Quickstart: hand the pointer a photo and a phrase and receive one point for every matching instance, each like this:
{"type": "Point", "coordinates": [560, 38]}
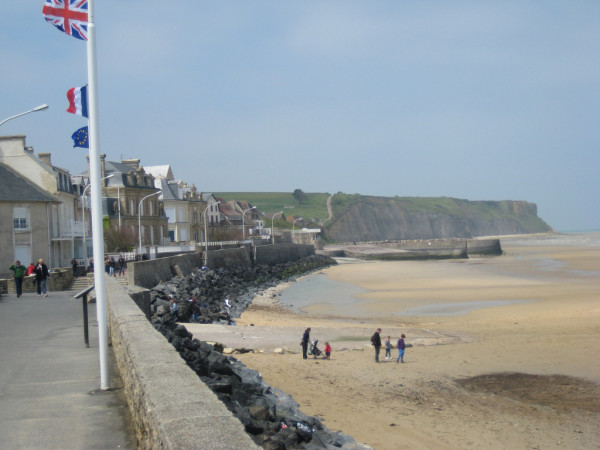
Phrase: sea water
{"type": "Point", "coordinates": [317, 289]}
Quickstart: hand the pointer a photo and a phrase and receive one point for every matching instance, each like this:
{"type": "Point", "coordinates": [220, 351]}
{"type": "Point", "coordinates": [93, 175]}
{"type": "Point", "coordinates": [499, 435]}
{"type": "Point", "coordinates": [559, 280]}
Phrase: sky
{"type": "Point", "coordinates": [495, 100]}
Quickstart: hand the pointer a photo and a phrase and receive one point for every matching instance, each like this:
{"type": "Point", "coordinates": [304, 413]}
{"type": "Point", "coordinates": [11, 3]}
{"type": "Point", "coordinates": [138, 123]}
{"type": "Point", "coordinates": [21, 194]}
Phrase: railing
{"type": "Point", "coordinates": [71, 229]}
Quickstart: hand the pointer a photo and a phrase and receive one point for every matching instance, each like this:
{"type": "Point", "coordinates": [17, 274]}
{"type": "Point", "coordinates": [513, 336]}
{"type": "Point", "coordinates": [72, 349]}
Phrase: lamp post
{"type": "Point", "coordinates": [295, 220]}
{"type": "Point", "coordinates": [140, 218]}
{"type": "Point", "coordinates": [272, 219]}
{"type": "Point", "coordinates": [37, 108]}
{"type": "Point", "coordinates": [85, 258]}
{"type": "Point", "coordinates": [243, 222]}
{"type": "Point", "coordinates": [206, 233]}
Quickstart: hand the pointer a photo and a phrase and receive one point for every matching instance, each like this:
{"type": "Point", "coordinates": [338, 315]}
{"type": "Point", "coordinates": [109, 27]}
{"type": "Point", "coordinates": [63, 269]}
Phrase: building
{"type": "Point", "coordinates": [185, 207]}
{"type": "Point", "coordinates": [25, 210]}
{"type": "Point", "coordinates": [63, 230]}
{"type": "Point", "coordinates": [130, 201]}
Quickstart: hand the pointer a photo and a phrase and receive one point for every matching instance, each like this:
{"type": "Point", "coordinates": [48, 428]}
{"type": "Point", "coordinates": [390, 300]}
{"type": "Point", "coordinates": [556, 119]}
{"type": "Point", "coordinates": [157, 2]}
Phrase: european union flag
{"type": "Point", "coordinates": [80, 138]}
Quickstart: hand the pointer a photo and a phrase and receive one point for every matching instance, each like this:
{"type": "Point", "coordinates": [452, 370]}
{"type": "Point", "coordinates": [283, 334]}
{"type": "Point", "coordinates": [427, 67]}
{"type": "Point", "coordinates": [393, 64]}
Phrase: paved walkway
{"type": "Point", "coordinates": [50, 393]}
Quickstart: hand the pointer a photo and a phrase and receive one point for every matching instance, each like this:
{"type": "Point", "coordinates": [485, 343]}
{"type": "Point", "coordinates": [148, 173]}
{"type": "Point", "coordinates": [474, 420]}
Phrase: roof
{"type": "Point", "coordinates": [160, 171]}
{"type": "Point", "coordinates": [15, 188]}
{"type": "Point", "coordinates": [170, 190]}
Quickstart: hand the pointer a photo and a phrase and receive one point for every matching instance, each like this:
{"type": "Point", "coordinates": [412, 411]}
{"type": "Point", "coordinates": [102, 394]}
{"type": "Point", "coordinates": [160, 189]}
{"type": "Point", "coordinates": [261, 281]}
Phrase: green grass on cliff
{"type": "Point", "coordinates": [315, 206]}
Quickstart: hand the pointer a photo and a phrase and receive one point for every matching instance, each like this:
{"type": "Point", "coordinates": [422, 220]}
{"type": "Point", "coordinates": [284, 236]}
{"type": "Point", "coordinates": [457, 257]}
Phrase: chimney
{"type": "Point", "coordinates": [102, 166]}
{"type": "Point", "coordinates": [133, 163]}
{"type": "Point", "coordinates": [46, 158]}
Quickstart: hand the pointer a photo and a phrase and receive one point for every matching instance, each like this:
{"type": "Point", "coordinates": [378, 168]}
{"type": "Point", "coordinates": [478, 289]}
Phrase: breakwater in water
{"type": "Point", "coordinates": [415, 249]}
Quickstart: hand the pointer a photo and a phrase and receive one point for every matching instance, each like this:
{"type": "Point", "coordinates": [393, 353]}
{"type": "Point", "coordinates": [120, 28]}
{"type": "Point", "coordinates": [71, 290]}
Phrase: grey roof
{"type": "Point", "coordinates": [169, 190]}
{"type": "Point", "coordinates": [15, 188]}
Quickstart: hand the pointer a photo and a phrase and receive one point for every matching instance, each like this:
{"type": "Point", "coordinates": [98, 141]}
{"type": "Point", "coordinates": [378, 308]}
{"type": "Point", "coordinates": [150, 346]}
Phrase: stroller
{"type": "Point", "coordinates": [313, 349]}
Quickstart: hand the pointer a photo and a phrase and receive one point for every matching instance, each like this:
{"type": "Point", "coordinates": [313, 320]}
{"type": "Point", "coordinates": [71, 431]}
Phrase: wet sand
{"type": "Point", "coordinates": [548, 324]}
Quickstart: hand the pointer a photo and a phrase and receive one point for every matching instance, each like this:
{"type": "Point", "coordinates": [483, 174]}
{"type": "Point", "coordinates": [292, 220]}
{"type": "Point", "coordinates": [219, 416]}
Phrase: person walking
{"type": "Point", "coordinates": [376, 342]}
{"type": "Point", "coordinates": [304, 343]}
{"type": "Point", "coordinates": [19, 272]}
{"type": "Point", "coordinates": [111, 266]}
{"type": "Point", "coordinates": [122, 265]}
{"type": "Point", "coordinates": [41, 277]}
{"type": "Point", "coordinates": [74, 263]}
{"type": "Point", "coordinates": [401, 347]}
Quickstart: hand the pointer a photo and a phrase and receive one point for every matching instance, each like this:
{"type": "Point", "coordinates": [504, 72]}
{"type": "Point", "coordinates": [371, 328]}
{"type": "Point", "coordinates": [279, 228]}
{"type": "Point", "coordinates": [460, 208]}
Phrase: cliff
{"type": "Point", "coordinates": [366, 218]}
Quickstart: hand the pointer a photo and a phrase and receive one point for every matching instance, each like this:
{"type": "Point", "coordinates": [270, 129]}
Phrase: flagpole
{"type": "Point", "coordinates": [96, 197]}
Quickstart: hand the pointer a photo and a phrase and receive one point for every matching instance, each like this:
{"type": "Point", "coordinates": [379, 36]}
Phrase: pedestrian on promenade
{"type": "Point", "coordinates": [376, 342]}
{"type": "Point", "coordinates": [388, 347]}
{"type": "Point", "coordinates": [111, 266]}
{"type": "Point", "coordinates": [41, 277]}
{"type": "Point", "coordinates": [74, 263]}
{"type": "Point", "coordinates": [401, 347]}
{"type": "Point", "coordinates": [122, 265]}
{"type": "Point", "coordinates": [19, 274]}
{"type": "Point", "coordinates": [304, 343]}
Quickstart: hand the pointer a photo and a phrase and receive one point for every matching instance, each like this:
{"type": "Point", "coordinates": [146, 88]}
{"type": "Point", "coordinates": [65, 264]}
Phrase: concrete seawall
{"type": "Point", "coordinates": [171, 407]}
{"type": "Point", "coordinates": [148, 274]}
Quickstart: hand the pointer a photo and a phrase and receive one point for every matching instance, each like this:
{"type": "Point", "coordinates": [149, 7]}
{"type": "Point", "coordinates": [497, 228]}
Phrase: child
{"type": "Point", "coordinates": [327, 350]}
{"type": "Point", "coordinates": [401, 347]}
{"type": "Point", "coordinates": [388, 348]}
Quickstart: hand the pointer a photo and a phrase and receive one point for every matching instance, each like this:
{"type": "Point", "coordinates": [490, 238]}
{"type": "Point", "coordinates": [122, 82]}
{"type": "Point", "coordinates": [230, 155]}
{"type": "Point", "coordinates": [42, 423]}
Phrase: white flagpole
{"type": "Point", "coordinates": [96, 196]}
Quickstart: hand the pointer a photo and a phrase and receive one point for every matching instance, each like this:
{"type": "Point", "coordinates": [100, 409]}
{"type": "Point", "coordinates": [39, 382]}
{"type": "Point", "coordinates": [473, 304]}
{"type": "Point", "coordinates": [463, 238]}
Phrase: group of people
{"type": "Point", "coordinates": [40, 272]}
{"type": "Point", "coordinates": [305, 342]}
{"type": "Point", "coordinates": [400, 345]}
{"type": "Point", "coordinates": [111, 266]}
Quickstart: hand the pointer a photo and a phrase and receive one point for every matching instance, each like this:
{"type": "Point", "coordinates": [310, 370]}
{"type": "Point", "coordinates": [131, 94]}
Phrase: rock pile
{"type": "Point", "coordinates": [271, 417]}
{"type": "Point", "coordinates": [240, 284]}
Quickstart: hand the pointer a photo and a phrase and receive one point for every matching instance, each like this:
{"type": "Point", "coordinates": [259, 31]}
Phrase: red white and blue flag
{"type": "Point", "coordinates": [69, 16]}
{"type": "Point", "coordinates": [78, 101]}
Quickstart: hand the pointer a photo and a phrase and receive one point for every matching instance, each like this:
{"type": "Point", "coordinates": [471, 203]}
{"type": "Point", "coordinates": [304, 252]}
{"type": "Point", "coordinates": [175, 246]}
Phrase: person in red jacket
{"type": "Point", "coordinates": [327, 350]}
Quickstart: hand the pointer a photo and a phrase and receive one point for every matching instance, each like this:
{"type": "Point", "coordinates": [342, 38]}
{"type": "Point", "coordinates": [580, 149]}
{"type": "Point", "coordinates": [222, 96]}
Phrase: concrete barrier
{"type": "Point", "coordinates": [170, 406]}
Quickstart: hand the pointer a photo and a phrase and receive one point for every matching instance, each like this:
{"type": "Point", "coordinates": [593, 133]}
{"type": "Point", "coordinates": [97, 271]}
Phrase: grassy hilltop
{"type": "Point", "coordinates": [359, 217]}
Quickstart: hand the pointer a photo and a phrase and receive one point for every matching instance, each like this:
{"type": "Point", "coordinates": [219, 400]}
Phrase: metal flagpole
{"type": "Point", "coordinates": [96, 196]}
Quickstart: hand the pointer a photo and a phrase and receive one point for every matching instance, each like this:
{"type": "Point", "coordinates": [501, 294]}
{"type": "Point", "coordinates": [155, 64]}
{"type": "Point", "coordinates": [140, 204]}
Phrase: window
{"type": "Point", "coordinates": [21, 218]}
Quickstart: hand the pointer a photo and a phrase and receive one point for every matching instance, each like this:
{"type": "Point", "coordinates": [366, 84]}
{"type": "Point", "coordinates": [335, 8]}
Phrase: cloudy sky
{"type": "Point", "coordinates": [496, 100]}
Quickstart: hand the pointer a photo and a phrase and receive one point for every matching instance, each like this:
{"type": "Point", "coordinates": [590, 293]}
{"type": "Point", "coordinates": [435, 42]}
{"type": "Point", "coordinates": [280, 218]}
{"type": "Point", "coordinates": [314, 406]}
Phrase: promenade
{"type": "Point", "coordinates": [50, 393]}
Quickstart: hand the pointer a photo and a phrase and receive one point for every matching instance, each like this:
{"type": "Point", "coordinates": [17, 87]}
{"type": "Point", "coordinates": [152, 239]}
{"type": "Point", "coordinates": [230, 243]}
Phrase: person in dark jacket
{"type": "Point", "coordinates": [41, 277]}
{"type": "Point", "coordinates": [304, 343]}
{"type": "Point", "coordinates": [376, 342]}
{"type": "Point", "coordinates": [19, 273]}
{"type": "Point", "coordinates": [401, 347]}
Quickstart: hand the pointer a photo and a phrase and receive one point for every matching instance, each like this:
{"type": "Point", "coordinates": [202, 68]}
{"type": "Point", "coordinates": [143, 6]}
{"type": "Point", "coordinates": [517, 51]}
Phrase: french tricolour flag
{"type": "Point", "coordinates": [78, 101]}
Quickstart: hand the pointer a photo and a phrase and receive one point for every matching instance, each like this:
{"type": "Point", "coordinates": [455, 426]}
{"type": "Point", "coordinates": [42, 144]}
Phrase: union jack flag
{"type": "Point", "coordinates": [69, 16]}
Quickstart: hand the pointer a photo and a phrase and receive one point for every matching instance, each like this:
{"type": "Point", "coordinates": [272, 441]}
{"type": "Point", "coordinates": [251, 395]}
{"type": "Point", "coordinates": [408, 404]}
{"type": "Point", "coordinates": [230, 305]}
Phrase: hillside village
{"type": "Point", "coordinates": [45, 211]}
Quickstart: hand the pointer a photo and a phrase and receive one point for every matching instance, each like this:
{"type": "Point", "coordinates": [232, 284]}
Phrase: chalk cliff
{"type": "Point", "coordinates": [366, 218]}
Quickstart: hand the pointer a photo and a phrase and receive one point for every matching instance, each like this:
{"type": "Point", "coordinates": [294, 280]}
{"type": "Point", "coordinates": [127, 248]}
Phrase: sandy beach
{"type": "Point", "coordinates": [520, 369]}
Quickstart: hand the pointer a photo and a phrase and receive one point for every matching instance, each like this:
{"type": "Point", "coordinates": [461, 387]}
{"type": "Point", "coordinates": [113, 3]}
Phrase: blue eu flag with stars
{"type": "Point", "coordinates": [80, 138]}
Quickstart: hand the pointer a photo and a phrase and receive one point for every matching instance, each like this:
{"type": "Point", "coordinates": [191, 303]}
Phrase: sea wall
{"type": "Point", "coordinates": [170, 406]}
{"type": "Point", "coordinates": [282, 253]}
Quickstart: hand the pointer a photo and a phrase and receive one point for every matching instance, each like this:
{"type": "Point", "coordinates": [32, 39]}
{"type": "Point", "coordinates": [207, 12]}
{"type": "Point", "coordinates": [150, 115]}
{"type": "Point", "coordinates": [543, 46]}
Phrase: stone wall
{"type": "Point", "coordinates": [150, 273]}
{"type": "Point", "coordinates": [281, 253]}
{"type": "Point", "coordinates": [170, 406]}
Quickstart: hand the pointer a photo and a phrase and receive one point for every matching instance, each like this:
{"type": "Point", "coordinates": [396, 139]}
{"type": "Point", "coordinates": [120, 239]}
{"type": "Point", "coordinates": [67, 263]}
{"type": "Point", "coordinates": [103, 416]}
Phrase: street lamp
{"type": "Point", "coordinates": [243, 223]}
{"type": "Point", "coordinates": [299, 218]}
{"type": "Point", "coordinates": [272, 219]}
{"type": "Point", "coordinates": [206, 233]}
{"type": "Point", "coordinates": [37, 108]}
{"type": "Point", "coordinates": [85, 258]}
{"type": "Point", "coordinates": [140, 218]}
